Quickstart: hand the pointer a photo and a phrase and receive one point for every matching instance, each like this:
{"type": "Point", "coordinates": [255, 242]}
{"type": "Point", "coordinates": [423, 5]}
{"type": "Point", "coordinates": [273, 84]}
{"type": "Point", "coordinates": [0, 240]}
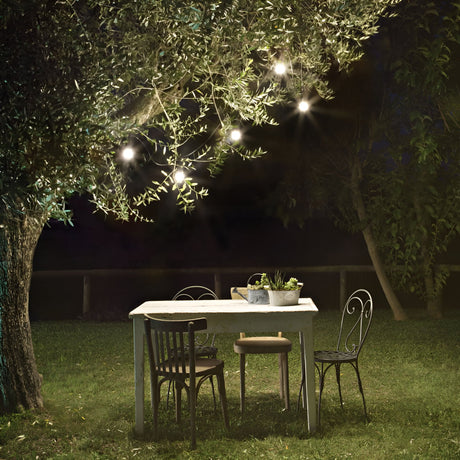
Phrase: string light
{"type": "Point", "coordinates": [280, 68]}
{"type": "Point", "coordinates": [303, 106]}
{"type": "Point", "coordinates": [128, 153]}
{"type": "Point", "coordinates": [179, 176]}
{"type": "Point", "coordinates": [236, 135]}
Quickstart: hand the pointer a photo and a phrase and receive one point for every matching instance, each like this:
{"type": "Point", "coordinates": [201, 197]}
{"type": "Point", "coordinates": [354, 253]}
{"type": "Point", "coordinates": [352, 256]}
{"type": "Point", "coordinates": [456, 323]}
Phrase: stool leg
{"type": "Point", "coordinates": [281, 374]}
{"type": "Point", "coordinates": [242, 381]}
{"type": "Point", "coordinates": [285, 369]}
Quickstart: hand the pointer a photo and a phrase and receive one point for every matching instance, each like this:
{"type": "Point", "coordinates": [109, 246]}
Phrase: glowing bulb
{"type": "Point", "coordinates": [128, 153]}
{"type": "Point", "coordinates": [280, 68]}
{"type": "Point", "coordinates": [179, 176]}
{"type": "Point", "coordinates": [304, 106]}
{"type": "Point", "coordinates": [236, 135]}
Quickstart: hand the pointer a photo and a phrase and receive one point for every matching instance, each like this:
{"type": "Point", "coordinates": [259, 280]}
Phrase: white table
{"type": "Point", "coordinates": [226, 315]}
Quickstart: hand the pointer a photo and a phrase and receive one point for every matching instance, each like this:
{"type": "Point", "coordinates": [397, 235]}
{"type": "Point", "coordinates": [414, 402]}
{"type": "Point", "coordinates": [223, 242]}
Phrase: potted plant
{"type": "Point", "coordinates": [281, 292]}
{"type": "Point", "coordinates": [257, 291]}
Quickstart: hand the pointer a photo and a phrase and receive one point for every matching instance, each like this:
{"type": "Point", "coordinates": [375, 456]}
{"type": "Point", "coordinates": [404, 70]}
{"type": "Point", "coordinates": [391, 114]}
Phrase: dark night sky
{"type": "Point", "coordinates": [226, 229]}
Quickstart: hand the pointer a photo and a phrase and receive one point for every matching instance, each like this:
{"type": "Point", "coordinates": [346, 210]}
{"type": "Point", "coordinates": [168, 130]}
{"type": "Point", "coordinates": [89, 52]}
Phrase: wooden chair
{"type": "Point", "coordinates": [354, 326]}
{"type": "Point", "coordinates": [263, 345]}
{"type": "Point", "coordinates": [169, 361]}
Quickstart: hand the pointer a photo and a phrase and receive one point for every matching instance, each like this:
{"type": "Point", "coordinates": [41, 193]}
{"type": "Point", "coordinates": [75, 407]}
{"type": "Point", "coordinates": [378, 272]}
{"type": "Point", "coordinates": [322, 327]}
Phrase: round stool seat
{"type": "Point", "coordinates": [261, 345]}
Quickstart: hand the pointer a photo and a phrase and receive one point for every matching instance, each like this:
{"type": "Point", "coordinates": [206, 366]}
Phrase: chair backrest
{"type": "Point", "coordinates": [195, 293]}
{"type": "Point", "coordinates": [355, 323]}
{"type": "Point", "coordinates": [171, 344]}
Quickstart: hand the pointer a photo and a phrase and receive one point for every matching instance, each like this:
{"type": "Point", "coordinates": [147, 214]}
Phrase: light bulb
{"type": "Point", "coordinates": [128, 153]}
{"type": "Point", "coordinates": [236, 135]}
{"type": "Point", "coordinates": [304, 106]}
{"type": "Point", "coordinates": [179, 176]}
{"type": "Point", "coordinates": [280, 68]}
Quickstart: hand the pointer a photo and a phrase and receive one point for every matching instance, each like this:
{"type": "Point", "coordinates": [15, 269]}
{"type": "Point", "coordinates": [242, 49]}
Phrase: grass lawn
{"type": "Point", "coordinates": [410, 374]}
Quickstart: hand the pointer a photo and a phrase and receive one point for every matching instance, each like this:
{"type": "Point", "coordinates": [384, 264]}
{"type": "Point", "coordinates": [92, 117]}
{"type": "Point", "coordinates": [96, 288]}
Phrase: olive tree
{"type": "Point", "coordinates": [82, 79]}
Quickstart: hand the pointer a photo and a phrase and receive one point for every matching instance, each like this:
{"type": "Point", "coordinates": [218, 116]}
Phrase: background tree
{"type": "Point", "coordinates": [416, 205]}
{"type": "Point", "coordinates": [390, 167]}
{"type": "Point", "coordinates": [80, 79]}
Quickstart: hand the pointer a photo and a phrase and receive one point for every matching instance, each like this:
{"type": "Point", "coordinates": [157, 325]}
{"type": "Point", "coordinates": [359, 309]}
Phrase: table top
{"type": "Point", "coordinates": [218, 306]}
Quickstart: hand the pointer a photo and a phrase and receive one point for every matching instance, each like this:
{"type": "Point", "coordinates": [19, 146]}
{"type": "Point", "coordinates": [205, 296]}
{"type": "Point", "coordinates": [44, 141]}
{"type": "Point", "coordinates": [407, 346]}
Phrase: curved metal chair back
{"type": "Point", "coordinates": [355, 323]}
{"type": "Point", "coordinates": [195, 293]}
{"type": "Point", "coordinates": [354, 326]}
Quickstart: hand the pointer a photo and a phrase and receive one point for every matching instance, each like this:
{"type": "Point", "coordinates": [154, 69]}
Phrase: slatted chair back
{"type": "Point", "coordinates": [356, 320]}
{"type": "Point", "coordinates": [171, 346]}
{"type": "Point", "coordinates": [172, 357]}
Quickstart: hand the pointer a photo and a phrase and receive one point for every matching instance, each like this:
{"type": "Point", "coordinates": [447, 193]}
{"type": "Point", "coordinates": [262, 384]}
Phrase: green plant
{"type": "Point", "coordinates": [277, 283]}
{"type": "Point", "coordinates": [259, 284]}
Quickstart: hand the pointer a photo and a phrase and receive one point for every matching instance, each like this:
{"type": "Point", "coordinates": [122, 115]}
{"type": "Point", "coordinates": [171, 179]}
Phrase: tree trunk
{"type": "Point", "coordinates": [358, 203]}
{"type": "Point", "coordinates": [432, 292]}
{"type": "Point", "coordinates": [20, 381]}
{"type": "Point", "coordinates": [433, 296]}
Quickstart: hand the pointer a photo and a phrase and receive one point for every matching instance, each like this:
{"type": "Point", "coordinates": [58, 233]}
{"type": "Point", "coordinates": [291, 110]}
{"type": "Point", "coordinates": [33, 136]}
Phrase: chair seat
{"type": "Point", "coordinates": [202, 367]}
{"type": "Point", "coordinates": [329, 356]}
{"type": "Point", "coordinates": [261, 345]}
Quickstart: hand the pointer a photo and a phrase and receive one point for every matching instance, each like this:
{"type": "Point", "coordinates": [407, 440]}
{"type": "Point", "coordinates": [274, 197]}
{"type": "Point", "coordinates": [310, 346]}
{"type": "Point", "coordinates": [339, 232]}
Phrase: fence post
{"type": "Point", "coordinates": [86, 294]}
{"type": "Point", "coordinates": [218, 285]}
{"type": "Point", "coordinates": [343, 289]}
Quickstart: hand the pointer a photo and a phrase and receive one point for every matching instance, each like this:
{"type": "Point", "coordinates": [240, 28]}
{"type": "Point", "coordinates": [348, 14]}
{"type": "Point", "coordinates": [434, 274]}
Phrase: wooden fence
{"type": "Point", "coordinates": [89, 276]}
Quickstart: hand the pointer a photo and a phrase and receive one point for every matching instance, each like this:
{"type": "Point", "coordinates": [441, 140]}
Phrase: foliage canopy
{"type": "Point", "coordinates": [80, 79]}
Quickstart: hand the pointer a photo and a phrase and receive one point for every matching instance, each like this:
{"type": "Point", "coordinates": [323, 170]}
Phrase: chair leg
{"type": "Point", "coordinates": [300, 392]}
{"type": "Point", "coordinates": [213, 392]}
{"type": "Point", "coordinates": [223, 397]}
{"type": "Point", "coordinates": [171, 386]}
{"type": "Point", "coordinates": [155, 395]}
{"type": "Point", "coordinates": [178, 401]}
{"type": "Point", "coordinates": [192, 403]}
{"type": "Point", "coordinates": [322, 374]}
{"type": "Point", "coordinates": [337, 375]}
{"type": "Point", "coordinates": [355, 366]}
{"type": "Point", "coordinates": [284, 368]}
{"type": "Point", "coordinates": [242, 381]}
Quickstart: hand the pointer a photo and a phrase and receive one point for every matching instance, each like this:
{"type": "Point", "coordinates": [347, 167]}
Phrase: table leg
{"type": "Point", "coordinates": [138, 337]}
{"type": "Point", "coordinates": [303, 392]}
{"type": "Point", "coordinates": [309, 368]}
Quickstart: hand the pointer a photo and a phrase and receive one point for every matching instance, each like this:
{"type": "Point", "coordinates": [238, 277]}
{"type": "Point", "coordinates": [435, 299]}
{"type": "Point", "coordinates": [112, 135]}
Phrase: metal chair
{"type": "Point", "coordinates": [354, 326]}
{"type": "Point", "coordinates": [204, 344]}
{"type": "Point", "coordinates": [169, 361]}
{"type": "Point", "coordinates": [263, 345]}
